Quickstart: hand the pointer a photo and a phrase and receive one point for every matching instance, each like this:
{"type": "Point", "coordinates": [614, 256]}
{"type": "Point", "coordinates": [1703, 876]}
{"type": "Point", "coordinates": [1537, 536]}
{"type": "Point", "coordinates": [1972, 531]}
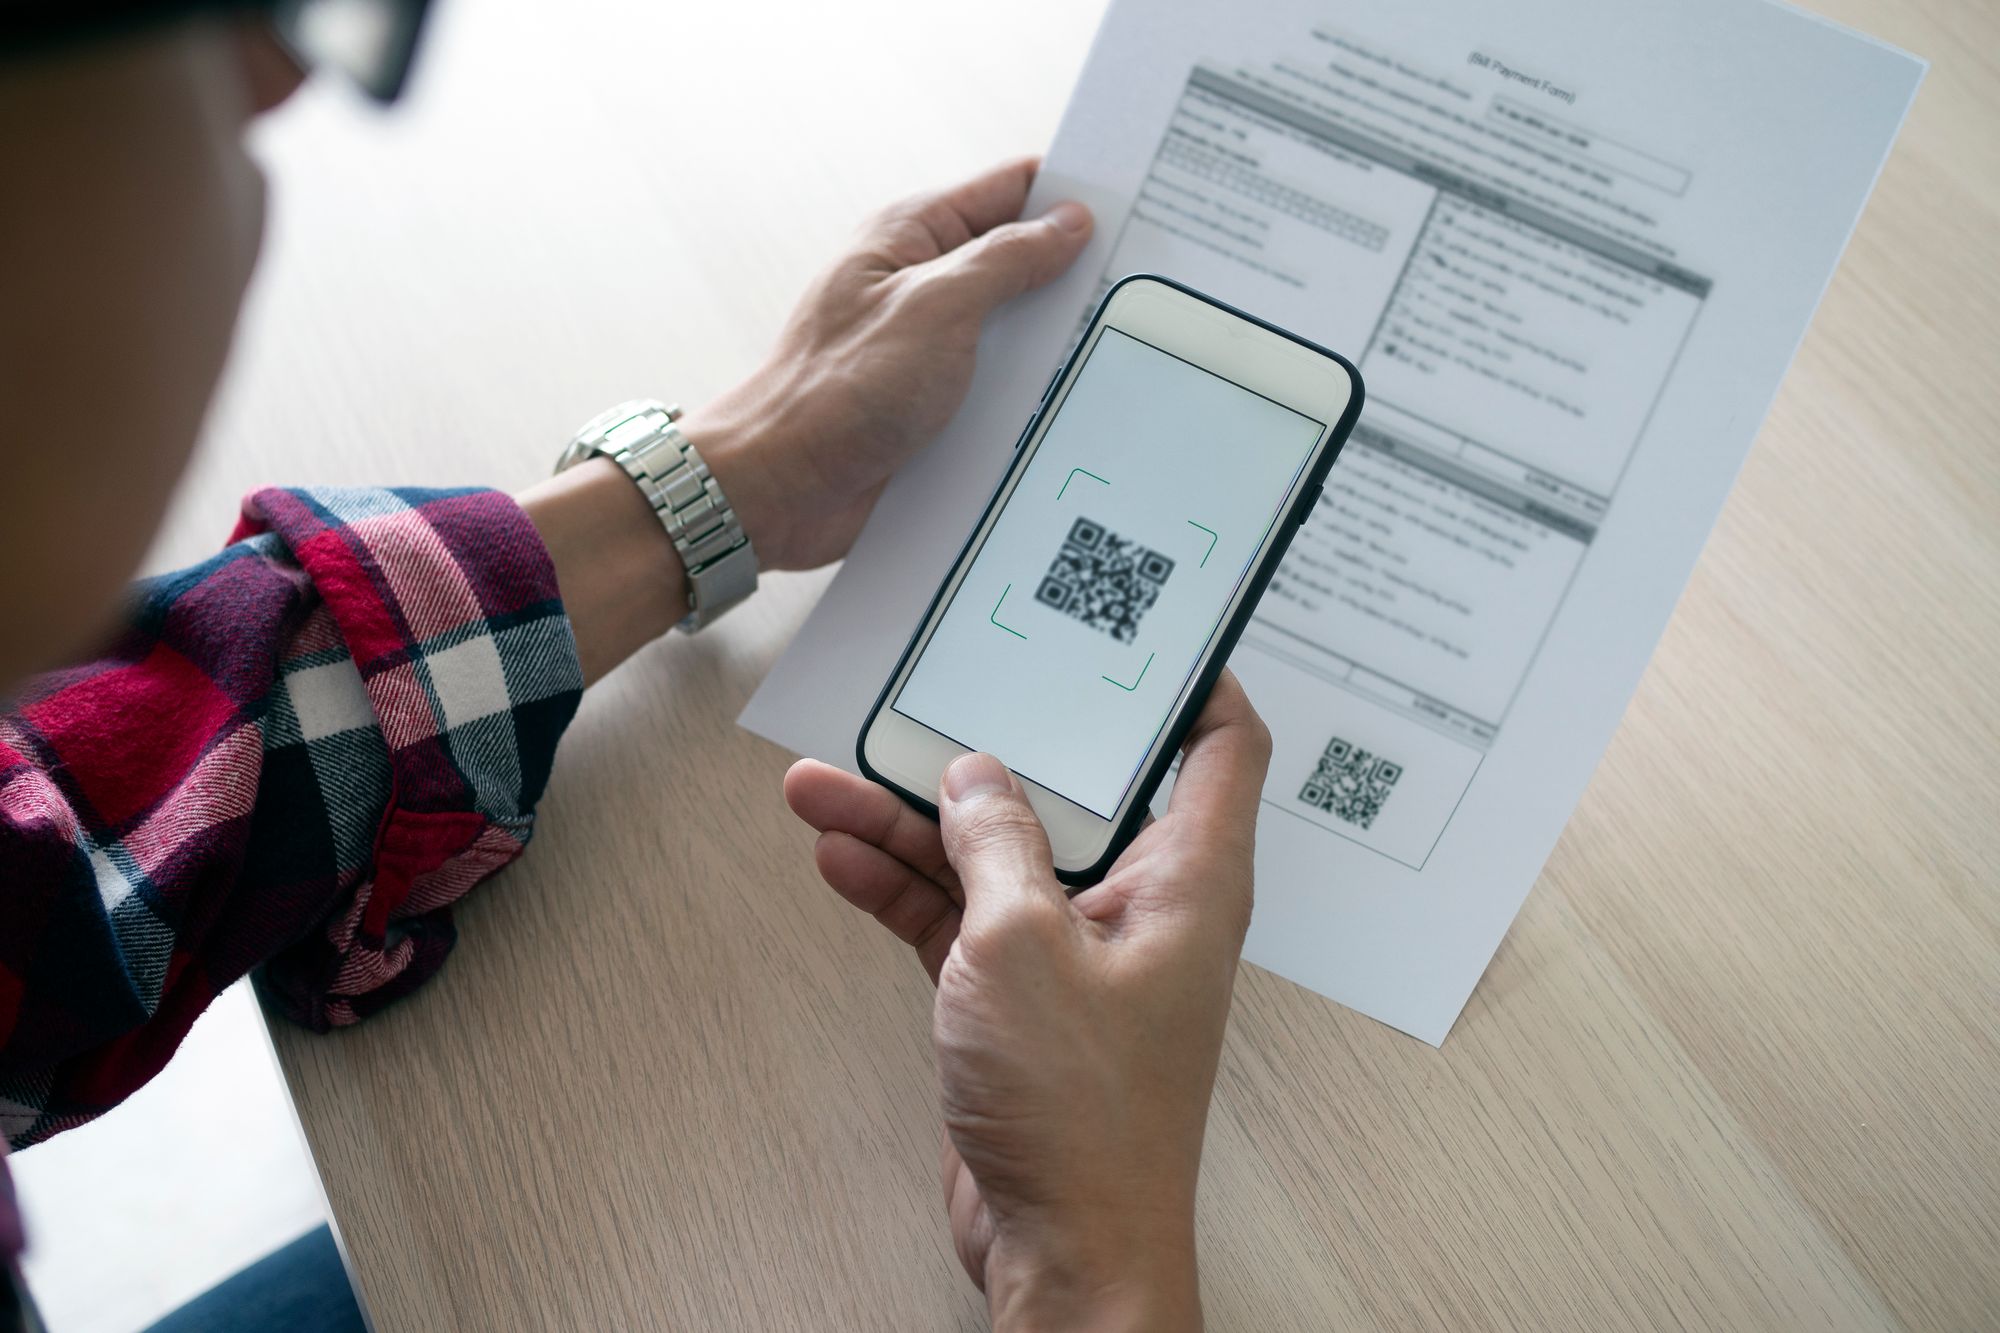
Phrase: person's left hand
{"type": "Point", "coordinates": [875, 360]}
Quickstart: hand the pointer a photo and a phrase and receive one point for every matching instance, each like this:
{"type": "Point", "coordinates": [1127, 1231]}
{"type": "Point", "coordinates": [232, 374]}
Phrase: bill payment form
{"type": "Point", "coordinates": [1572, 246]}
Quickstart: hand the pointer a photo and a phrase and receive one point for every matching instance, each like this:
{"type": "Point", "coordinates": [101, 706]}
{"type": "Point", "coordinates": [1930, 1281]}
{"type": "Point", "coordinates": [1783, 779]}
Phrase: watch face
{"type": "Point", "coordinates": [576, 451]}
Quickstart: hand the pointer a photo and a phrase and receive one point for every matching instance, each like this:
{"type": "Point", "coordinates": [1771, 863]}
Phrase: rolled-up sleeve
{"type": "Point", "coordinates": [297, 757]}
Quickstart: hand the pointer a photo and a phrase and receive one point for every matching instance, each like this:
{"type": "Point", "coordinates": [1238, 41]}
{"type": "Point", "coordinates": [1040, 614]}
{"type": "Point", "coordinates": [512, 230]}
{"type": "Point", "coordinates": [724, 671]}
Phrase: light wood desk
{"type": "Point", "coordinates": [1735, 1068]}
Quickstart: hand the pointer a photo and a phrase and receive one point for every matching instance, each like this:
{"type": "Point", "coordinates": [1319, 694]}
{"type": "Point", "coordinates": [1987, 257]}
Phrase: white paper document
{"type": "Point", "coordinates": [1572, 245]}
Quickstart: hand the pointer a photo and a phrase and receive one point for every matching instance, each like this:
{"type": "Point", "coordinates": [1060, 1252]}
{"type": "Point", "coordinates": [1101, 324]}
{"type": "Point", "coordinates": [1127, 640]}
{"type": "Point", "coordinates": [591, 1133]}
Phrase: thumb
{"type": "Point", "coordinates": [994, 842]}
{"type": "Point", "coordinates": [1016, 257]}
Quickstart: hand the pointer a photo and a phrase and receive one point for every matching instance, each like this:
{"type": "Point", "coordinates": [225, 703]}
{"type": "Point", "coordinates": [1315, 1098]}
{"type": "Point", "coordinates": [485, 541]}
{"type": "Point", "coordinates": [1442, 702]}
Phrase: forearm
{"type": "Point", "coordinates": [621, 580]}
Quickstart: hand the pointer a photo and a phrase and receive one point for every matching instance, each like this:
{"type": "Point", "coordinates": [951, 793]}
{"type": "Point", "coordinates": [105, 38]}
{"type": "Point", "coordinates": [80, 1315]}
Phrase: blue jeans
{"type": "Point", "coordinates": [300, 1288]}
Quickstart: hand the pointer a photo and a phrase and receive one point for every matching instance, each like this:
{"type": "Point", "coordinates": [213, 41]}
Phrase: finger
{"type": "Point", "coordinates": [1013, 258]}
{"type": "Point", "coordinates": [1223, 762]}
{"type": "Point", "coordinates": [927, 225]}
{"type": "Point", "coordinates": [996, 844]}
{"type": "Point", "coordinates": [831, 798]}
{"type": "Point", "coordinates": [1212, 813]}
{"type": "Point", "coordinates": [916, 910]}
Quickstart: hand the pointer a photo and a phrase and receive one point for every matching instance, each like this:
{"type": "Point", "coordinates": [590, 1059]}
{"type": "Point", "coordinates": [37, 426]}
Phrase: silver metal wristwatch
{"type": "Point", "coordinates": [641, 437]}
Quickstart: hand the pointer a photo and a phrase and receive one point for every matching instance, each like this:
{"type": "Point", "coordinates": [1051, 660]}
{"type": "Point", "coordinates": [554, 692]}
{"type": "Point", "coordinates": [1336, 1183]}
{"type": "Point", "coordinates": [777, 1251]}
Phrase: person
{"type": "Point", "coordinates": [296, 756]}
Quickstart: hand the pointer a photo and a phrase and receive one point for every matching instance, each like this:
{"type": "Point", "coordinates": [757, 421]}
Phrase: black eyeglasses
{"type": "Point", "coordinates": [372, 42]}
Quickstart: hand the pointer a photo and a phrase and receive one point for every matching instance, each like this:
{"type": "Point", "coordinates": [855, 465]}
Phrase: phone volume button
{"type": "Point", "coordinates": [1307, 505]}
{"type": "Point", "coordinates": [1026, 431]}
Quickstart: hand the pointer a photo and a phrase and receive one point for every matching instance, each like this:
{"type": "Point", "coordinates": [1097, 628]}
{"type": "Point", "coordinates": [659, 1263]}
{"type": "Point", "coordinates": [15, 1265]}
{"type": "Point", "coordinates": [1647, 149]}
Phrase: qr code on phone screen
{"type": "Point", "coordinates": [1350, 783]}
{"type": "Point", "coordinates": [1104, 580]}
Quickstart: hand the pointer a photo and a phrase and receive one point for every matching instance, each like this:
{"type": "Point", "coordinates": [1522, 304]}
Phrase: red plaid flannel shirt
{"type": "Point", "coordinates": [297, 757]}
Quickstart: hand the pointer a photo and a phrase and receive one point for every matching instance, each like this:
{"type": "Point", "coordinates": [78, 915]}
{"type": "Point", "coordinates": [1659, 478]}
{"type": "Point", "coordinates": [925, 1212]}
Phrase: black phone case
{"type": "Point", "coordinates": [1260, 578]}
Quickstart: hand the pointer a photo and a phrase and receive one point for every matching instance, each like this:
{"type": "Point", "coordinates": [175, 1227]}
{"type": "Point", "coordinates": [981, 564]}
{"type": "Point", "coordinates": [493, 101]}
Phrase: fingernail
{"type": "Point", "coordinates": [976, 775]}
{"type": "Point", "coordinates": [1069, 215]}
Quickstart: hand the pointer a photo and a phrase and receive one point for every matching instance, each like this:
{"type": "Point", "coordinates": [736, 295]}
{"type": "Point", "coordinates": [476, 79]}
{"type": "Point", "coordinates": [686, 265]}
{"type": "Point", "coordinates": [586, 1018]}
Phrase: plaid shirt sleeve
{"type": "Point", "coordinates": [298, 756]}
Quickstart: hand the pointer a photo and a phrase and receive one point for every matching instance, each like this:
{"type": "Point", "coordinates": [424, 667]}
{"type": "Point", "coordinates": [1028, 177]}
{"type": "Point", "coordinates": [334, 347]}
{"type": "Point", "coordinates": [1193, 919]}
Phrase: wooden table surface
{"type": "Point", "coordinates": [1735, 1068]}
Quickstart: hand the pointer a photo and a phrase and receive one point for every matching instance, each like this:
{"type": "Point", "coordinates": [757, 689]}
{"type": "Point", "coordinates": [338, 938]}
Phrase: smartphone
{"type": "Point", "coordinates": [1151, 496]}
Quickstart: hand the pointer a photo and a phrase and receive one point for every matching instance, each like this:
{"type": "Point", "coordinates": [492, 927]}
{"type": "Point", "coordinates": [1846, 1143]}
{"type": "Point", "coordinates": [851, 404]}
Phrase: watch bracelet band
{"type": "Point", "coordinates": [642, 437]}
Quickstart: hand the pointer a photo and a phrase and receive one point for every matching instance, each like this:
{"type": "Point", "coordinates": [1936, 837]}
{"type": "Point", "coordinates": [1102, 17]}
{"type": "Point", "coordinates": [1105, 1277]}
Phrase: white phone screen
{"type": "Point", "coordinates": [1100, 585]}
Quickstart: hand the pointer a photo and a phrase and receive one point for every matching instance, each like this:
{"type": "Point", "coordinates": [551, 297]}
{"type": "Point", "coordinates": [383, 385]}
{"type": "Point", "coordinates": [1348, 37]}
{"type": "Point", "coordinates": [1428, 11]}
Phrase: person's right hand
{"type": "Point", "coordinates": [1077, 1040]}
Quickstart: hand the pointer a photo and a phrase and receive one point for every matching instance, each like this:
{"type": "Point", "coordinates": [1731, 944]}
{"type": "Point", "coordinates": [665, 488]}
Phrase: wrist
{"type": "Point", "coordinates": [621, 580]}
{"type": "Point", "coordinates": [1114, 1282]}
{"type": "Point", "coordinates": [740, 455]}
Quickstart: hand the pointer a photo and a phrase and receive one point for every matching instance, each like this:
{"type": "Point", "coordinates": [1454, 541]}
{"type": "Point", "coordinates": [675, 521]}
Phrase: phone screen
{"type": "Point", "coordinates": [1101, 584]}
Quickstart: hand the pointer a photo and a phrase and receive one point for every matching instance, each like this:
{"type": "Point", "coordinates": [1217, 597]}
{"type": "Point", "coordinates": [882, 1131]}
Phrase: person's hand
{"type": "Point", "coordinates": [1077, 1040]}
{"type": "Point", "coordinates": [875, 360]}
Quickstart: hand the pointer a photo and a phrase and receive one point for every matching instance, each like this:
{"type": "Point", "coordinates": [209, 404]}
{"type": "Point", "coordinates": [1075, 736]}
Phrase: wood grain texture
{"type": "Point", "coordinates": [1734, 1068]}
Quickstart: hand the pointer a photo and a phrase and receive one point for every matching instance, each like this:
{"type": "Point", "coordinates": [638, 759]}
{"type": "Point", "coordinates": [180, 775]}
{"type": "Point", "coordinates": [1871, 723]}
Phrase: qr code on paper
{"type": "Point", "coordinates": [1104, 580]}
{"type": "Point", "coordinates": [1350, 783]}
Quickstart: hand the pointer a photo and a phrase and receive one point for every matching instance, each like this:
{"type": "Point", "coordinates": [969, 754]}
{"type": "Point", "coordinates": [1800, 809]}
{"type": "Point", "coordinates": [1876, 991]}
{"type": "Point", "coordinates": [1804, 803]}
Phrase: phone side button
{"type": "Point", "coordinates": [1307, 505]}
{"type": "Point", "coordinates": [1026, 431]}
